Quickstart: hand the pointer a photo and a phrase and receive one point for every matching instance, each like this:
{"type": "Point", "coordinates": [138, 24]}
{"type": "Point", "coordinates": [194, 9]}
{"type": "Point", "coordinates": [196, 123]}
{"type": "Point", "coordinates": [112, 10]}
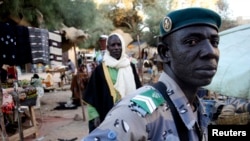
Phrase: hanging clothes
{"type": "Point", "coordinates": [39, 45]}
{"type": "Point", "coordinates": [23, 53]}
{"type": "Point", "coordinates": [55, 40]}
{"type": "Point", "coordinates": [7, 44]}
{"type": "Point", "coordinates": [14, 44]}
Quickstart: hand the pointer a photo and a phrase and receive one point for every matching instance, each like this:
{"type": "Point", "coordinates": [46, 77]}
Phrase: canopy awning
{"type": "Point", "coordinates": [233, 74]}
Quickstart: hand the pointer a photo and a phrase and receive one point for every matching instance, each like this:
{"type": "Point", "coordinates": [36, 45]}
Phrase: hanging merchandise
{"type": "Point", "coordinates": [14, 44]}
{"type": "Point", "coordinates": [23, 53]}
{"type": "Point", "coordinates": [7, 44]}
{"type": "Point", "coordinates": [39, 45]}
{"type": "Point", "coordinates": [55, 49]}
{"type": "Point", "coordinates": [20, 45]}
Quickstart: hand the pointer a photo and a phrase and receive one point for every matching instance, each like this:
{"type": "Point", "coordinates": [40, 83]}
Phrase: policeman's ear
{"type": "Point", "coordinates": [163, 49]}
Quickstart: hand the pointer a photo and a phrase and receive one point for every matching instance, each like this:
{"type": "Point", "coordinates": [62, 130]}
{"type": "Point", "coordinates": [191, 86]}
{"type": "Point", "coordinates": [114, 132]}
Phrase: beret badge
{"type": "Point", "coordinates": [167, 24]}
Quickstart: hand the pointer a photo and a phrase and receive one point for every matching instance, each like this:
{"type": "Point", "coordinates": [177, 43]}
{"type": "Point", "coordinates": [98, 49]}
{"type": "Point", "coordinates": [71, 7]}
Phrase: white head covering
{"type": "Point", "coordinates": [125, 82]}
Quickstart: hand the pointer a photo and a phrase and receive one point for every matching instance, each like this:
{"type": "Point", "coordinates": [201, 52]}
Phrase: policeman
{"type": "Point", "coordinates": [170, 109]}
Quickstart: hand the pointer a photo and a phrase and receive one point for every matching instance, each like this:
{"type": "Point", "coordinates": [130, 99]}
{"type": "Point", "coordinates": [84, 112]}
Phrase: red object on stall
{"type": "Point", "coordinates": [12, 72]}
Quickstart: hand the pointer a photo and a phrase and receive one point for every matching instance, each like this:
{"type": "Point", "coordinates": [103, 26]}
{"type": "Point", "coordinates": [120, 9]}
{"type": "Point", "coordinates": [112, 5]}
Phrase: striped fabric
{"type": "Point", "coordinates": [241, 104]}
{"type": "Point", "coordinates": [39, 45]}
{"type": "Point", "coordinates": [55, 40]}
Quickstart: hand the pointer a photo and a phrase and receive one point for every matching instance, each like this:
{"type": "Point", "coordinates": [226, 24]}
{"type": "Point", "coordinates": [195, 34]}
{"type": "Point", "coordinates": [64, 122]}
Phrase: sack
{"type": "Point", "coordinates": [7, 98]}
{"type": "Point", "coordinates": [8, 103]}
{"type": "Point", "coordinates": [236, 119]}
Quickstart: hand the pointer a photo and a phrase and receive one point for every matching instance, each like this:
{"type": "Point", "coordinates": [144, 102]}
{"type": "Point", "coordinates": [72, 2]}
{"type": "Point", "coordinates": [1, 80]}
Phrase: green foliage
{"type": "Point", "coordinates": [78, 13]}
{"type": "Point", "coordinates": [23, 82]}
{"type": "Point", "coordinates": [9, 8]}
{"type": "Point", "coordinates": [155, 12]}
{"type": "Point", "coordinates": [52, 14]}
{"type": "Point", "coordinates": [83, 14]}
{"type": "Point", "coordinates": [102, 25]}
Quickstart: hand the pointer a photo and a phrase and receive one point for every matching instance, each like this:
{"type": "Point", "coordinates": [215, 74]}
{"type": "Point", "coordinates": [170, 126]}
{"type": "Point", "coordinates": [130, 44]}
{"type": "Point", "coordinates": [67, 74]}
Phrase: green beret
{"type": "Point", "coordinates": [186, 17]}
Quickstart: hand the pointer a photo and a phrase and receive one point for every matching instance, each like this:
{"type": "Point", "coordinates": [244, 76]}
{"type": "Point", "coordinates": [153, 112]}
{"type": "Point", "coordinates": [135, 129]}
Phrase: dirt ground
{"type": "Point", "coordinates": [54, 125]}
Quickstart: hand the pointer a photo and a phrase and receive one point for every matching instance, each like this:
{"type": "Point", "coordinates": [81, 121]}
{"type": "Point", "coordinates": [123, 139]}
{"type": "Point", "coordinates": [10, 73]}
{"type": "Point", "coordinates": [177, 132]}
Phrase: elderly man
{"type": "Point", "coordinates": [111, 80]}
{"type": "Point", "coordinates": [170, 109]}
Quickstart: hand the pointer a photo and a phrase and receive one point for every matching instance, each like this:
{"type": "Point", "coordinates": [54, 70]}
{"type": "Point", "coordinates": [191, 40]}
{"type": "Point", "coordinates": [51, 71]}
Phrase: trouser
{"type": "Point", "coordinates": [69, 75]}
{"type": "Point", "coordinates": [91, 125]}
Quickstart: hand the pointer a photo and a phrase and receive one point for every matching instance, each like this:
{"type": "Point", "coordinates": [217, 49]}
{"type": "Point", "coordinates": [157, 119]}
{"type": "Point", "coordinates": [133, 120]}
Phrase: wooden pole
{"type": "Point", "coordinates": [82, 105]}
{"type": "Point", "coordinates": [19, 119]}
{"type": "Point", "coordinates": [75, 54]}
{"type": "Point", "coordinates": [79, 83]}
{"type": "Point", "coordinates": [140, 60]}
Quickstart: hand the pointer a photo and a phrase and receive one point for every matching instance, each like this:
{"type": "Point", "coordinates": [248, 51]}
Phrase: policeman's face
{"type": "Point", "coordinates": [114, 47]}
{"type": "Point", "coordinates": [194, 54]}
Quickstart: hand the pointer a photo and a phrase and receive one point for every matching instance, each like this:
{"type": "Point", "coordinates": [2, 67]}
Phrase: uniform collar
{"type": "Point", "coordinates": [180, 101]}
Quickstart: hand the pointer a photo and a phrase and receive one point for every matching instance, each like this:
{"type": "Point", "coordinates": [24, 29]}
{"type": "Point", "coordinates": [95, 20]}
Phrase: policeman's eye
{"type": "Point", "coordinates": [215, 42]}
{"type": "Point", "coordinates": [191, 42]}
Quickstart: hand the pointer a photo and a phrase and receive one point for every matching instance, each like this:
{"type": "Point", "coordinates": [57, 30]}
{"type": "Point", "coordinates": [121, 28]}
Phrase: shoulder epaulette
{"type": "Point", "coordinates": [147, 101]}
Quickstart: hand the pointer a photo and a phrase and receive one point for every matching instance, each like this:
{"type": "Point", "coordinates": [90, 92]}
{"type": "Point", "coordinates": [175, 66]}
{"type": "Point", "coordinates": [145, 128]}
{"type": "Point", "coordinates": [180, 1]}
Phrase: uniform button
{"type": "Point", "coordinates": [112, 135]}
{"type": "Point", "coordinates": [183, 111]}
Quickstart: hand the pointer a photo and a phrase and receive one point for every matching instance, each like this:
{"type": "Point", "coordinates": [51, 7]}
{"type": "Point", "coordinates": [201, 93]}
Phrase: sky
{"type": "Point", "coordinates": [239, 8]}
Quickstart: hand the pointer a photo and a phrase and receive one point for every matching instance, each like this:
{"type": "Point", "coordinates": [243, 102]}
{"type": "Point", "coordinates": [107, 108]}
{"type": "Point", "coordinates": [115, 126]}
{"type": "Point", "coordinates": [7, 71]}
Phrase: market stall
{"type": "Point", "coordinates": [20, 45]}
{"type": "Point", "coordinates": [18, 102]}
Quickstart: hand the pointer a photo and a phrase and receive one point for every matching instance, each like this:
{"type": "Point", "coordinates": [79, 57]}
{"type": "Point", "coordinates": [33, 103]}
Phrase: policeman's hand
{"type": "Point", "coordinates": [97, 121]}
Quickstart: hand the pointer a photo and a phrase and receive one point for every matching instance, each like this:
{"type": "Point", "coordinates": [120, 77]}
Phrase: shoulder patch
{"type": "Point", "coordinates": [148, 100]}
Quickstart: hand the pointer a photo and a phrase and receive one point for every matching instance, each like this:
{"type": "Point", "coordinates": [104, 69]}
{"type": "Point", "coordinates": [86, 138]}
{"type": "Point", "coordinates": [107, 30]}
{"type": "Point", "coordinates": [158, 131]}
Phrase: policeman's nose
{"type": "Point", "coordinates": [208, 50]}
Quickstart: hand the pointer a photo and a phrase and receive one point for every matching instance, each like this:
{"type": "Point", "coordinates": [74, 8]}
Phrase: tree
{"type": "Point", "coordinates": [155, 12]}
{"type": "Point", "coordinates": [125, 18]}
{"type": "Point", "coordinates": [141, 15]}
{"type": "Point", "coordinates": [81, 14]}
{"type": "Point", "coordinates": [225, 13]}
{"type": "Point", "coordinates": [101, 26]}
